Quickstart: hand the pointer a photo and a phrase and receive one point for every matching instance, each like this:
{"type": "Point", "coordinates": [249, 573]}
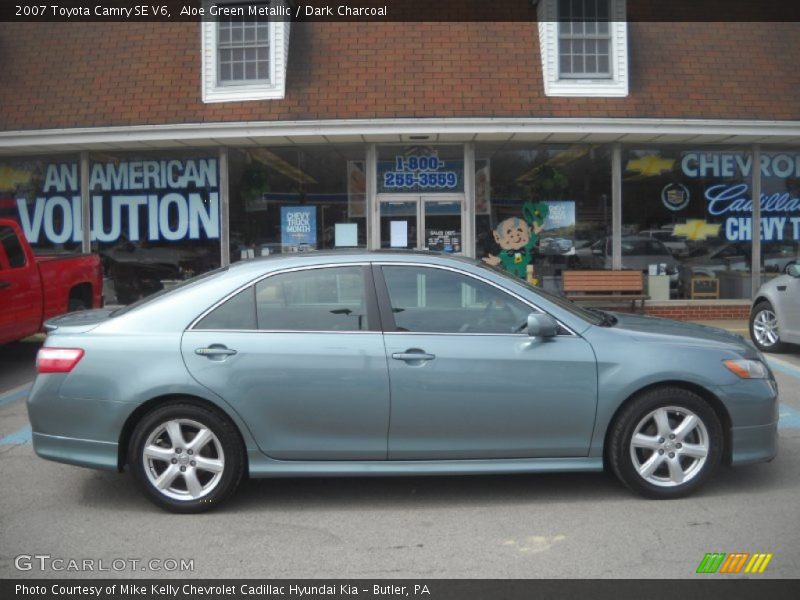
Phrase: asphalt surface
{"type": "Point", "coordinates": [523, 526]}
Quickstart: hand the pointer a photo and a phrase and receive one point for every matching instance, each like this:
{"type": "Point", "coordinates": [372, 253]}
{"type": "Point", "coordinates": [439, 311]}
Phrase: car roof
{"type": "Point", "coordinates": [280, 261]}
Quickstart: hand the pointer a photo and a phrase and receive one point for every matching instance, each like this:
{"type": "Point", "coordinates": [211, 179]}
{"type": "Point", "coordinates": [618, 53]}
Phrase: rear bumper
{"type": "Point", "coordinates": [73, 451]}
{"type": "Point", "coordinates": [754, 444]}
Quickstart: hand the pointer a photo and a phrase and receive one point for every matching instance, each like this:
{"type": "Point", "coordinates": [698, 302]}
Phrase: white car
{"type": "Point", "coordinates": [775, 316]}
{"type": "Point", "coordinates": [677, 246]}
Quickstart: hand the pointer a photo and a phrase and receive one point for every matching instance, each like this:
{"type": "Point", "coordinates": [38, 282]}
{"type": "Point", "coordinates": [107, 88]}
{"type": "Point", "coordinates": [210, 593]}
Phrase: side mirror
{"type": "Point", "coordinates": [793, 270]}
{"type": "Point", "coordinates": [540, 325]}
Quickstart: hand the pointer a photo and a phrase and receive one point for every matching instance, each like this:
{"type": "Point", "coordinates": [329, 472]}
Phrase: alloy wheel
{"type": "Point", "coordinates": [669, 446]}
{"type": "Point", "coordinates": [765, 327]}
{"type": "Point", "coordinates": [183, 459]}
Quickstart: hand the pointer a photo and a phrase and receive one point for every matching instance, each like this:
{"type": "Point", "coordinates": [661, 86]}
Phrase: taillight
{"type": "Point", "coordinates": [57, 360]}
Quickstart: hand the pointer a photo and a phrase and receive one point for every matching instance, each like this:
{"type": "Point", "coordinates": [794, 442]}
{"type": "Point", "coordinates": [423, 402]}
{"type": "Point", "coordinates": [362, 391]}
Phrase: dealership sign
{"type": "Point", "coordinates": [780, 211]}
{"type": "Point", "coordinates": [145, 199]}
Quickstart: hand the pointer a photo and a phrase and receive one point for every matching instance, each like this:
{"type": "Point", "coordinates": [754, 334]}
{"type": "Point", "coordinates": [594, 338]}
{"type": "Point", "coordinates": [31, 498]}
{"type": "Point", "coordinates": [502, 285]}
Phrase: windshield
{"type": "Point", "coordinates": [164, 292]}
{"type": "Point", "coordinates": [593, 317]}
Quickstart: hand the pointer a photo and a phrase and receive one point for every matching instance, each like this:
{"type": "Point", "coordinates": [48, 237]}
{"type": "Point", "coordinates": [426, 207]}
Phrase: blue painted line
{"type": "Point", "coordinates": [21, 436]}
{"type": "Point", "coordinates": [8, 398]}
{"type": "Point", "coordinates": [788, 417]}
{"type": "Point", "coordinates": [784, 368]}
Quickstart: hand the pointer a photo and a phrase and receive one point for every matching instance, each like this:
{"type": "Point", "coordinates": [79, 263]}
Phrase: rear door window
{"type": "Point", "coordinates": [321, 299]}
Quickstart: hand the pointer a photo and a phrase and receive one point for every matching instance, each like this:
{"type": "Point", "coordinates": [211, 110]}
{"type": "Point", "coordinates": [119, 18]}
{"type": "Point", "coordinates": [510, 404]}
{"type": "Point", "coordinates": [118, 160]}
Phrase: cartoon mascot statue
{"type": "Point", "coordinates": [518, 237]}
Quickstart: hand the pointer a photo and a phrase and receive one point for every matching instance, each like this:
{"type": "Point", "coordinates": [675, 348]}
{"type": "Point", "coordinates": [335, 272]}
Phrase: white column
{"type": "Point", "coordinates": [224, 210]}
{"type": "Point", "coordinates": [468, 209]}
{"type": "Point", "coordinates": [756, 221]}
{"type": "Point", "coordinates": [373, 214]}
{"type": "Point", "coordinates": [86, 212]}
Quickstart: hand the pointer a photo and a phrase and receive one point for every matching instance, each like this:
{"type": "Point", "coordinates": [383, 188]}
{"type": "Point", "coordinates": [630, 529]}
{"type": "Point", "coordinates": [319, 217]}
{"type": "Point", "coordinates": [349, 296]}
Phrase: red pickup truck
{"type": "Point", "coordinates": [36, 288]}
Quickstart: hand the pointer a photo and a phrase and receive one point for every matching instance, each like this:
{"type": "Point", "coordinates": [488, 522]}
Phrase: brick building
{"type": "Point", "coordinates": [172, 148]}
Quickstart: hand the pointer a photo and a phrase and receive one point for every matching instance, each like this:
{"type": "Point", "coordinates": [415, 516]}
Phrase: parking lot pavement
{"type": "Point", "coordinates": [564, 525]}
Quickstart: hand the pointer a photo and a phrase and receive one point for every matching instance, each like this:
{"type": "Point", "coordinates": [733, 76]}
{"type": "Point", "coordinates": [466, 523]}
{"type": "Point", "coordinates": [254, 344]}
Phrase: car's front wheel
{"type": "Point", "coordinates": [764, 328]}
{"type": "Point", "coordinates": [187, 457]}
{"type": "Point", "coordinates": [665, 443]}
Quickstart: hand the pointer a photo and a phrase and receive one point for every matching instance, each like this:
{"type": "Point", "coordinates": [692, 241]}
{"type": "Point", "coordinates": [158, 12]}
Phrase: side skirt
{"type": "Point", "coordinates": [263, 466]}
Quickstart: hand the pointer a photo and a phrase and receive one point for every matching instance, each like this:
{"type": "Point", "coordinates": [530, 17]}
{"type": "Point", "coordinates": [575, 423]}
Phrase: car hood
{"type": "Point", "coordinates": [680, 332]}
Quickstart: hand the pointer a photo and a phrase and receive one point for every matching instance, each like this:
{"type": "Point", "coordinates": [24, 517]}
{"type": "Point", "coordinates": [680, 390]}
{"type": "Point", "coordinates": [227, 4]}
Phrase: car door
{"type": "Point", "coordinates": [787, 295]}
{"type": "Point", "coordinates": [20, 291]}
{"type": "Point", "coordinates": [467, 382]}
{"type": "Point", "coordinates": [300, 356]}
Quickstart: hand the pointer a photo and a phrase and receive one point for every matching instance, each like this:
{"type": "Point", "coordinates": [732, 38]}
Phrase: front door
{"type": "Point", "coordinates": [468, 383]}
{"type": "Point", "coordinates": [20, 289]}
{"type": "Point", "coordinates": [422, 222]}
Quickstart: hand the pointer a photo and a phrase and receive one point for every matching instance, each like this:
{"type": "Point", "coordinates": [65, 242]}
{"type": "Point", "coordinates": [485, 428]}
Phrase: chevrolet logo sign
{"type": "Point", "coordinates": [650, 165]}
{"type": "Point", "coordinates": [696, 229]}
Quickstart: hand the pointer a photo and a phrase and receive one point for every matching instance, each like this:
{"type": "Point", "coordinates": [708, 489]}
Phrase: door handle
{"type": "Point", "coordinates": [215, 350]}
{"type": "Point", "coordinates": [413, 355]}
{"type": "Point", "coordinates": [5, 284]}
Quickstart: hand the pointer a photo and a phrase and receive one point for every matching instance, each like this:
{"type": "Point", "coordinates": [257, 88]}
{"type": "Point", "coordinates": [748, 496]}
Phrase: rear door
{"type": "Point", "coordinates": [20, 289]}
{"type": "Point", "coordinates": [300, 356]}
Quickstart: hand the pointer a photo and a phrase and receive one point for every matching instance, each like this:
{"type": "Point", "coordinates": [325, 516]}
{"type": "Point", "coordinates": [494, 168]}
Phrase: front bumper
{"type": "Point", "coordinates": [754, 444]}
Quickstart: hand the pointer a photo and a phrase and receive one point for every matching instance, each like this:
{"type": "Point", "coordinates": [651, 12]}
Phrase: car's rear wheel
{"type": "Point", "coordinates": [187, 458]}
{"type": "Point", "coordinates": [764, 328]}
{"type": "Point", "coordinates": [666, 443]}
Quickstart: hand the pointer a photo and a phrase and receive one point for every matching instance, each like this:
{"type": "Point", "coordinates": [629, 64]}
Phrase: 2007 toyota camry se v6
{"type": "Point", "coordinates": [391, 364]}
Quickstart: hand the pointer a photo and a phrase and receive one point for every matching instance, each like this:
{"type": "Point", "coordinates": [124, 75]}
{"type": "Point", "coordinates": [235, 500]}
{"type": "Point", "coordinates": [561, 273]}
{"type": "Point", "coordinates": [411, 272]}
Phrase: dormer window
{"type": "Point", "coordinates": [244, 52]}
{"type": "Point", "coordinates": [584, 47]}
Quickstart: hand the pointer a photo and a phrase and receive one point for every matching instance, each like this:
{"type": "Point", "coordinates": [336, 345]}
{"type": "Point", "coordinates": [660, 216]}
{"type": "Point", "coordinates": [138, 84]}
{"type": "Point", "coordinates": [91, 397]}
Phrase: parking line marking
{"type": "Point", "coordinates": [788, 416]}
{"type": "Point", "coordinates": [784, 367]}
{"type": "Point", "coordinates": [20, 436]}
{"type": "Point", "coordinates": [15, 394]}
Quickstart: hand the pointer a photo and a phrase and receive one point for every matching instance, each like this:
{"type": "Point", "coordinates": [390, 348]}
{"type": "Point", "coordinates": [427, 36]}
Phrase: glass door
{"type": "Point", "coordinates": [422, 222]}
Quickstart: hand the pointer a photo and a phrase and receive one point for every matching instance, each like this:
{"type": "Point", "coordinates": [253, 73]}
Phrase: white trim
{"type": "Point", "coordinates": [275, 89]}
{"type": "Point", "coordinates": [616, 86]}
{"type": "Point", "coordinates": [219, 134]}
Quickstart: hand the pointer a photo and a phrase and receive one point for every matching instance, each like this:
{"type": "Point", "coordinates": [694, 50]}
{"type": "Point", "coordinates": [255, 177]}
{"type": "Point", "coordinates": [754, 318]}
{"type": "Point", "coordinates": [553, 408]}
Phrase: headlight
{"type": "Point", "coordinates": [747, 369]}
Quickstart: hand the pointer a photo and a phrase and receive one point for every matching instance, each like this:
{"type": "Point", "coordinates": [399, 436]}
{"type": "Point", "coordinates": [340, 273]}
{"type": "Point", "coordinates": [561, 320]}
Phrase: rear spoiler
{"type": "Point", "coordinates": [78, 322]}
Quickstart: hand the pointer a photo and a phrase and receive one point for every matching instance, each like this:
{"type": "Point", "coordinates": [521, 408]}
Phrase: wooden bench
{"type": "Point", "coordinates": [593, 286]}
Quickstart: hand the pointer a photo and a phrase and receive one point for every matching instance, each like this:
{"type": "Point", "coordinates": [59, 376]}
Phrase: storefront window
{"type": "Point", "coordinates": [42, 194]}
{"type": "Point", "coordinates": [297, 199]}
{"type": "Point", "coordinates": [542, 209]}
{"type": "Point", "coordinates": [780, 211]}
{"type": "Point", "coordinates": [695, 205]}
{"type": "Point", "coordinates": [155, 219]}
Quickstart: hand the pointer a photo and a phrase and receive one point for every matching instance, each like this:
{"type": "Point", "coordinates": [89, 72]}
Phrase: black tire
{"type": "Point", "coordinates": [760, 311]}
{"type": "Point", "coordinates": [634, 419]}
{"type": "Point", "coordinates": [224, 451]}
{"type": "Point", "coordinates": [76, 304]}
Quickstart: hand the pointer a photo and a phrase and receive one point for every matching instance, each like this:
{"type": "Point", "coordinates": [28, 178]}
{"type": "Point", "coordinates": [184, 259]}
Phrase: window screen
{"type": "Point", "coordinates": [584, 39]}
{"type": "Point", "coordinates": [243, 49]}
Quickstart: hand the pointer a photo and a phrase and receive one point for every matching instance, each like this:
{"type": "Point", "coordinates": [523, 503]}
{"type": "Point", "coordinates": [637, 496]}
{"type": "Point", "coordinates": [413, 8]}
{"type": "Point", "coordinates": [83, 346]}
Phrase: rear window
{"type": "Point", "coordinates": [12, 247]}
{"type": "Point", "coordinates": [157, 295]}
